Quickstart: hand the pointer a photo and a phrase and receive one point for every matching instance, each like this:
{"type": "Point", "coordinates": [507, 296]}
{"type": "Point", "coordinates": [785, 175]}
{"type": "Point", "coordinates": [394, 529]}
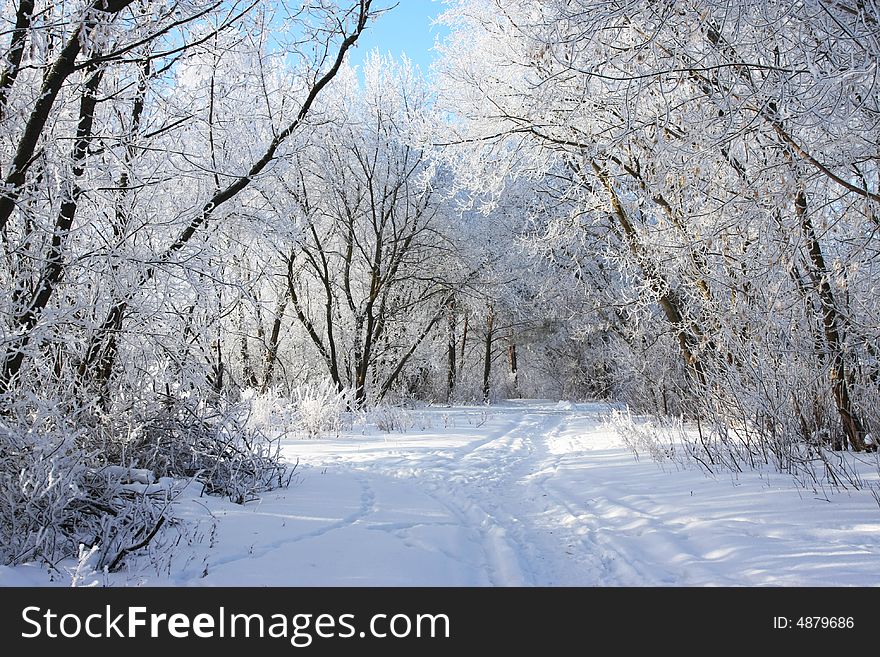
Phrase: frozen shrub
{"type": "Point", "coordinates": [219, 448]}
{"type": "Point", "coordinates": [106, 481]}
{"type": "Point", "coordinates": [657, 440]}
{"type": "Point", "coordinates": [320, 408]}
{"type": "Point", "coordinates": [270, 413]}
{"type": "Point", "coordinates": [394, 419]}
{"type": "Point", "coordinates": [391, 419]}
{"type": "Point", "coordinates": [56, 494]}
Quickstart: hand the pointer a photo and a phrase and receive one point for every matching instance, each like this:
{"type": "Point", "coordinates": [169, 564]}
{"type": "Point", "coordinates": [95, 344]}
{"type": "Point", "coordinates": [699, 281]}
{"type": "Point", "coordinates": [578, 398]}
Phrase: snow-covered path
{"type": "Point", "coordinates": [530, 493]}
{"type": "Point", "coordinates": [525, 493]}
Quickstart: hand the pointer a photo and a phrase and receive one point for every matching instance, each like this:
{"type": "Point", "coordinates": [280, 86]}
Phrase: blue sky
{"type": "Point", "coordinates": [404, 29]}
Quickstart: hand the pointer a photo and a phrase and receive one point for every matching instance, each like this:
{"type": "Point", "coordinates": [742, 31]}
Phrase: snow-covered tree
{"type": "Point", "coordinates": [722, 161]}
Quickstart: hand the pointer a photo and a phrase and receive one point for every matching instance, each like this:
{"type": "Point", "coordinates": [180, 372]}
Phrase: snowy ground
{"type": "Point", "coordinates": [524, 493]}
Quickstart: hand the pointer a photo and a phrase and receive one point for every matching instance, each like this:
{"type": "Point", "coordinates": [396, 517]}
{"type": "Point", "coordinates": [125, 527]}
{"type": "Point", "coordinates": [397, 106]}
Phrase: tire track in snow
{"type": "Point", "coordinates": [449, 480]}
{"type": "Point", "coordinates": [554, 541]}
{"type": "Point", "coordinates": [609, 525]}
{"type": "Point", "coordinates": [481, 484]}
{"type": "Point", "coordinates": [544, 495]}
{"type": "Point", "coordinates": [473, 486]}
{"type": "Point", "coordinates": [502, 490]}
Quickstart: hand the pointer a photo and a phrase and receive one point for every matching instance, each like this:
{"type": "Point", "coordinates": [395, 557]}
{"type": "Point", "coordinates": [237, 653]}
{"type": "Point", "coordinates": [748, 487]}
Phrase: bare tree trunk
{"type": "Point", "coordinates": [362, 366]}
{"type": "Point", "coordinates": [831, 322]}
{"type": "Point", "coordinates": [487, 354]}
{"type": "Point", "coordinates": [218, 368]}
{"type": "Point", "coordinates": [272, 346]}
{"type": "Point", "coordinates": [100, 357]}
{"type": "Point", "coordinates": [371, 331]}
{"type": "Point", "coordinates": [329, 357]}
{"type": "Point", "coordinates": [248, 375]}
{"type": "Point", "coordinates": [464, 337]}
{"type": "Point", "coordinates": [511, 362]}
{"type": "Point", "coordinates": [451, 344]}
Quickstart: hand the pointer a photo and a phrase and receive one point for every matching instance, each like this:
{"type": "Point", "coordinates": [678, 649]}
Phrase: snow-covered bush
{"type": "Point", "coordinates": [320, 407]}
{"type": "Point", "coordinates": [270, 412]}
{"type": "Point", "coordinates": [391, 419]}
{"type": "Point", "coordinates": [217, 447]}
{"type": "Point", "coordinates": [56, 493]}
{"type": "Point", "coordinates": [107, 480]}
{"type": "Point", "coordinates": [40, 475]}
{"type": "Point", "coordinates": [239, 464]}
{"type": "Point", "coordinates": [657, 439]}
